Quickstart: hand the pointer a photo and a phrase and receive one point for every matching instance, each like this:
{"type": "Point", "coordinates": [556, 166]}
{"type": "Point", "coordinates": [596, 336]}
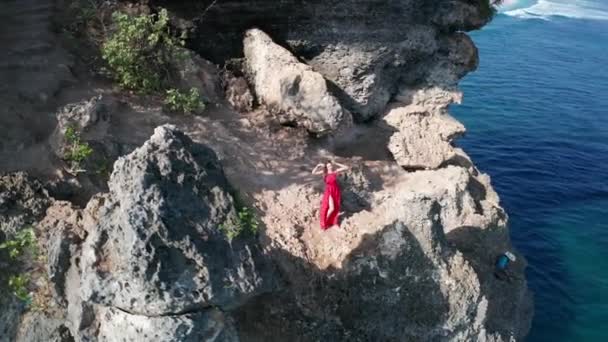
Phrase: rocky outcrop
{"type": "Point", "coordinates": [196, 72]}
{"type": "Point", "coordinates": [23, 202]}
{"type": "Point", "coordinates": [154, 255]}
{"type": "Point", "coordinates": [237, 92]}
{"type": "Point", "coordinates": [156, 247]}
{"type": "Point", "coordinates": [103, 123]}
{"type": "Point", "coordinates": [413, 257]}
{"type": "Point", "coordinates": [367, 48]}
{"type": "Point", "coordinates": [423, 130]}
{"type": "Point", "coordinates": [423, 140]}
{"type": "Point", "coordinates": [290, 88]}
{"type": "Point", "coordinates": [155, 260]}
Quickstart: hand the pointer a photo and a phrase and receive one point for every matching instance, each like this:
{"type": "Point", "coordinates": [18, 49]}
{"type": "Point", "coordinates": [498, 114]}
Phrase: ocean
{"type": "Point", "coordinates": [536, 112]}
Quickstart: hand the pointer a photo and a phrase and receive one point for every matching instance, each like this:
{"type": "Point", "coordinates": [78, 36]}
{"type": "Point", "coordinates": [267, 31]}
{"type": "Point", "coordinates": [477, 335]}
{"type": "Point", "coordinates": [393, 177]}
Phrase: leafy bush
{"type": "Point", "coordinates": [247, 223]}
{"type": "Point", "coordinates": [23, 241]}
{"type": "Point", "coordinates": [77, 151]}
{"type": "Point", "coordinates": [19, 286]}
{"type": "Point", "coordinates": [140, 50]}
{"type": "Point", "coordinates": [21, 249]}
{"type": "Point", "coordinates": [185, 102]}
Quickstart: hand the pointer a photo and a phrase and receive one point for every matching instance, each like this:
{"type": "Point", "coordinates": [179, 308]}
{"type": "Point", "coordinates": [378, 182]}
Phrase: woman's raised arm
{"type": "Point", "coordinates": [316, 170]}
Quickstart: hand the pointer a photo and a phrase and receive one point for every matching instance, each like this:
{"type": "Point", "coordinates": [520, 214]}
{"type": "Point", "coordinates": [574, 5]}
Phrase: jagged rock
{"type": "Point", "coordinates": [23, 202]}
{"type": "Point", "coordinates": [62, 235]}
{"type": "Point", "coordinates": [465, 199]}
{"type": "Point", "coordinates": [208, 326]}
{"type": "Point", "coordinates": [461, 15]}
{"type": "Point", "coordinates": [99, 122]}
{"type": "Point", "coordinates": [423, 140]}
{"type": "Point", "coordinates": [363, 47]}
{"type": "Point", "coordinates": [237, 92]}
{"type": "Point", "coordinates": [37, 327]}
{"type": "Point", "coordinates": [89, 115]}
{"type": "Point", "coordinates": [195, 72]}
{"type": "Point", "coordinates": [356, 189]}
{"type": "Point", "coordinates": [288, 87]}
{"type": "Point", "coordinates": [416, 261]}
{"type": "Point", "coordinates": [433, 99]}
{"type": "Point", "coordinates": [89, 118]}
{"type": "Point", "coordinates": [156, 246]}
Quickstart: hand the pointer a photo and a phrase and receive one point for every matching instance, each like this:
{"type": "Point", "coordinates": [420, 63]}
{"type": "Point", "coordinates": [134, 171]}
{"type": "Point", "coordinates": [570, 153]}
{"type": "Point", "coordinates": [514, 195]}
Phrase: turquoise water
{"type": "Point", "coordinates": [537, 118]}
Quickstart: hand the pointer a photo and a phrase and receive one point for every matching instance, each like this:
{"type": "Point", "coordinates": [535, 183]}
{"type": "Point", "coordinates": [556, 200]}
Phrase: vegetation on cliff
{"type": "Point", "coordinates": [20, 249]}
{"type": "Point", "coordinates": [140, 52]}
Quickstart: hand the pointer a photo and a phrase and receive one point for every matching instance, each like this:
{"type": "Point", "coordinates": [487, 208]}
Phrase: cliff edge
{"type": "Point", "coordinates": [206, 228]}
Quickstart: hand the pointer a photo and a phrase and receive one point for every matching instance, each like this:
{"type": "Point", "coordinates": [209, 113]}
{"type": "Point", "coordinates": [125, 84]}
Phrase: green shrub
{"type": "Point", "coordinates": [18, 284]}
{"type": "Point", "coordinates": [23, 241]}
{"type": "Point", "coordinates": [140, 50]}
{"type": "Point", "coordinates": [22, 249]}
{"type": "Point", "coordinates": [76, 151]}
{"type": "Point", "coordinates": [247, 223]}
{"type": "Point", "coordinates": [185, 102]}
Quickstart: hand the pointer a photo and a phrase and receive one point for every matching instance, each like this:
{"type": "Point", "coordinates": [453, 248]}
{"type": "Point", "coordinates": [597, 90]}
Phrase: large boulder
{"type": "Point", "coordinates": [288, 87]}
{"type": "Point", "coordinates": [422, 140]}
{"type": "Point", "coordinates": [156, 246]}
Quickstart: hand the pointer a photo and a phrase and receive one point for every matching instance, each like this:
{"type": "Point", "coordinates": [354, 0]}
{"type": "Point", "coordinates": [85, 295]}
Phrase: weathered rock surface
{"type": "Point", "coordinates": [211, 325]}
{"type": "Point", "coordinates": [37, 327]}
{"type": "Point", "coordinates": [237, 92]}
{"type": "Point", "coordinates": [288, 87]}
{"type": "Point", "coordinates": [367, 48]}
{"type": "Point", "coordinates": [23, 202]}
{"type": "Point", "coordinates": [61, 235]}
{"type": "Point", "coordinates": [424, 140]}
{"type": "Point", "coordinates": [33, 68]}
{"type": "Point", "coordinates": [195, 72]}
{"type": "Point", "coordinates": [415, 258]}
{"type": "Point", "coordinates": [103, 122]}
{"type": "Point", "coordinates": [156, 247]}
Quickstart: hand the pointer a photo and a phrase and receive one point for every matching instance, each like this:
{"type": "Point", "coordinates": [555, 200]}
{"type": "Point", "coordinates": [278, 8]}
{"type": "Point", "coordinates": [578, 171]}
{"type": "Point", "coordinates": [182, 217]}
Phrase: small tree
{"type": "Point", "coordinates": [140, 50]}
{"type": "Point", "coordinates": [76, 151]}
{"type": "Point", "coordinates": [247, 223]}
{"type": "Point", "coordinates": [185, 102]}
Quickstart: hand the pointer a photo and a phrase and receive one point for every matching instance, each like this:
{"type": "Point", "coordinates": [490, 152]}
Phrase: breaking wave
{"type": "Point", "coordinates": [545, 9]}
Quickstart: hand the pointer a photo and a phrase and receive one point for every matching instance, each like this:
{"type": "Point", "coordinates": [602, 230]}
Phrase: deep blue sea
{"type": "Point", "coordinates": [536, 111]}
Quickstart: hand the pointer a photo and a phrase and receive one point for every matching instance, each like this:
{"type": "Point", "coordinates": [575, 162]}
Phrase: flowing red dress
{"type": "Point", "coordinates": [331, 189]}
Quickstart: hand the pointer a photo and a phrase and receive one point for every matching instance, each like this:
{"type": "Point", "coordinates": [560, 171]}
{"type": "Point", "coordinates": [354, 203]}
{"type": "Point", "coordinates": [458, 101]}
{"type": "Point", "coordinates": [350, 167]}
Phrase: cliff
{"type": "Point", "coordinates": [205, 228]}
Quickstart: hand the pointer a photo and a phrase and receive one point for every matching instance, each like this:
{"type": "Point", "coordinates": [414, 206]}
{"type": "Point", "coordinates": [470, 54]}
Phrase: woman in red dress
{"type": "Point", "coordinates": [330, 206]}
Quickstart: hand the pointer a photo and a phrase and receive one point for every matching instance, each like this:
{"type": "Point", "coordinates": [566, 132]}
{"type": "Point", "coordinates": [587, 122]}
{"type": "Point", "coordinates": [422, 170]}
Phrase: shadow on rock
{"type": "Point", "coordinates": [506, 297]}
{"type": "Point", "coordinates": [373, 297]}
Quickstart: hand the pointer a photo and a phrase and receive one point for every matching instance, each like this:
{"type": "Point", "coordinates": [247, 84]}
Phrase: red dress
{"type": "Point", "coordinates": [331, 189]}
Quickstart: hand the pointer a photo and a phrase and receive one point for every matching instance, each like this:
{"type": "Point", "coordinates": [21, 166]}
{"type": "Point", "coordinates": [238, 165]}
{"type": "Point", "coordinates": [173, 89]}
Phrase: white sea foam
{"type": "Point", "coordinates": [545, 9]}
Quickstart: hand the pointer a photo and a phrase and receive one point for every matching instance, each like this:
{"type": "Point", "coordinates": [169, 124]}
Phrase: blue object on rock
{"type": "Point", "coordinates": [502, 262]}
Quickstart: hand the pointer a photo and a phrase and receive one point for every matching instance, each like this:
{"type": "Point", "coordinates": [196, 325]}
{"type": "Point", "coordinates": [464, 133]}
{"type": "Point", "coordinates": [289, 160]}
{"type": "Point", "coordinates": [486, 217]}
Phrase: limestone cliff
{"type": "Point", "coordinates": [168, 248]}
